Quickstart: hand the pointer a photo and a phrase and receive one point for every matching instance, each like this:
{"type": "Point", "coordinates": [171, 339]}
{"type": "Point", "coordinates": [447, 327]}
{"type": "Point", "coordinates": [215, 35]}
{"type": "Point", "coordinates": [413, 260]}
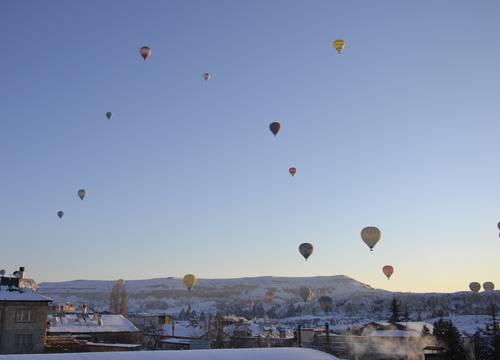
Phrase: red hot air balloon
{"type": "Point", "coordinates": [145, 52]}
{"type": "Point", "coordinates": [292, 171]}
{"type": "Point", "coordinates": [275, 128]}
{"type": "Point", "coordinates": [388, 270]}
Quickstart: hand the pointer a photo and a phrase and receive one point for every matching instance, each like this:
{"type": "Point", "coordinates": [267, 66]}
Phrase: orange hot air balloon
{"type": "Point", "coordinates": [275, 128]}
{"type": "Point", "coordinates": [292, 171]}
{"type": "Point", "coordinates": [269, 296]}
{"type": "Point", "coordinates": [145, 52]}
{"type": "Point", "coordinates": [388, 270]}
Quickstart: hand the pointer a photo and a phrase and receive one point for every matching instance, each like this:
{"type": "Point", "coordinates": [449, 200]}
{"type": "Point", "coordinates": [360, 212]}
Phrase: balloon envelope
{"type": "Point", "coordinates": [207, 76]}
{"type": "Point", "coordinates": [275, 128]}
{"type": "Point", "coordinates": [475, 286]}
{"type": "Point", "coordinates": [145, 52]}
{"type": "Point", "coordinates": [371, 236]}
{"type": "Point", "coordinates": [306, 250]}
{"type": "Point", "coordinates": [81, 193]}
{"type": "Point", "coordinates": [488, 286]}
{"type": "Point", "coordinates": [339, 45]}
{"type": "Point", "coordinates": [109, 114]}
{"type": "Point", "coordinates": [388, 270]}
{"type": "Point", "coordinates": [326, 303]}
{"type": "Point", "coordinates": [305, 293]}
{"type": "Point", "coordinates": [189, 281]}
{"type": "Point", "coordinates": [292, 171]}
{"type": "Point", "coordinates": [269, 296]}
{"type": "Point", "coordinates": [60, 214]}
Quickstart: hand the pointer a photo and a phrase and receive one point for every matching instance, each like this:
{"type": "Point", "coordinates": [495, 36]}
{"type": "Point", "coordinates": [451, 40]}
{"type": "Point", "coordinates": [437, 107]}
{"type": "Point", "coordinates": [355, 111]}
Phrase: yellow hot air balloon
{"type": "Point", "coordinates": [339, 45]}
{"type": "Point", "coordinates": [371, 236]}
{"type": "Point", "coordinates": [189, 280]}
{"type": "Point", "coordinates": [305, 293]}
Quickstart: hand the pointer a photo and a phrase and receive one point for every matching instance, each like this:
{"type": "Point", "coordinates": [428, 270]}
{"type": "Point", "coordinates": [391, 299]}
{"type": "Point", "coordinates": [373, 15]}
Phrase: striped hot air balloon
{"type": "Point", "coordinates": [306, 250]}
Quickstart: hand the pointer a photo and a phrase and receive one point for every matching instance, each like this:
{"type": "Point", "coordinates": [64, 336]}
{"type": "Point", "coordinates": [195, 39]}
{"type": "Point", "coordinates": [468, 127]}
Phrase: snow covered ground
{"type": "Point", "coordinates": [467, 324]}
{"type": "Point", "coordinates": [229, 354]}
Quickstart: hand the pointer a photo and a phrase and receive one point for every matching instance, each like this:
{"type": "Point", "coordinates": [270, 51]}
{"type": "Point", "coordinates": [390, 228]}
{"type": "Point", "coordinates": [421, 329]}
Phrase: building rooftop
{"type": "Point", "coordinates": [26, 295]}
{"type": "Point", "coordinates": [91, 323]}
{"type": "Point", "coordinates": [226, 354]}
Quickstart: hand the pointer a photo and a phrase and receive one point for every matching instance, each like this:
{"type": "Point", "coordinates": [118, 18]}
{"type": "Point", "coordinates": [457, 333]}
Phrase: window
{"type": "Point", "coordinates": [24, 341]}
{"type": "Point", "coordinates": [25, 315]}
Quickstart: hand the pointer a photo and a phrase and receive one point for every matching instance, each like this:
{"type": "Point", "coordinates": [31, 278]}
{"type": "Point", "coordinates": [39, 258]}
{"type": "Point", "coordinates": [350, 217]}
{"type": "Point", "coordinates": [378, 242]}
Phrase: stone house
{"type": "Point", "coordinates": [23, 315]}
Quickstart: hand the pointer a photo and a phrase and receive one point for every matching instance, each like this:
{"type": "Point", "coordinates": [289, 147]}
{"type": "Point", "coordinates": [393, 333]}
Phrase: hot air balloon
{"type": "Point", "coordinates": [81, 193]}
{"type": "Point", "coordinates": [305, 293]}
{"type": "Point", "coordinates": [207, 76]}
{"type": "Point", "coordinates": [339, 45]}
{"type": "Point", "coordinates": [269, 296]}
{"type": "Point", "coordinates": [145, 52]}
{"type": "Point", "coordinates": [275, 128]}
{"type": "Point", "coordinates": [60, 214]}
{"type": "Point", "coordinates": [498, 225]}
{"type": "Point", "coordinates": [475, 286]}
{"type": "Point", "coordinates": [388, 270]}
{"type": "Point", "coordinates": [249, 304]}
{"type": "Point", "coordinates": [292, 171]}
{"type": "Point", "coordinates": [371, 236]}
{"type": "Point", "coordinates": [189, 280]}
{"type": "Point", "coordinates": [488, 286]}
{"type": "Point", "coordinates": [326, 303]}
{"type": "Point", "coordinates": [305, 250]}
{"type": "Point", "coordinates": [109, 114]}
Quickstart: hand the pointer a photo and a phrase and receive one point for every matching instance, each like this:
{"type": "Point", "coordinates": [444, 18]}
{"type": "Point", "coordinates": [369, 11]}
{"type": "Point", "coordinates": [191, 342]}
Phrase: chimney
{"type": "Point", "coordinates": [21, 273]}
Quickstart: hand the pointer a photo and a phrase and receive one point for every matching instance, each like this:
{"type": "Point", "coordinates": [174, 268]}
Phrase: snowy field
{"type": "Point", "coordinates": [229, 354]}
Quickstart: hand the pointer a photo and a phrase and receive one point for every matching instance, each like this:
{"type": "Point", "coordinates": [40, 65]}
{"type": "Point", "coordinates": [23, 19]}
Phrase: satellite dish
{"type": "Point", "coordinates": [2, 272]}
{"type": "Point", "coordinates": [16, 274]}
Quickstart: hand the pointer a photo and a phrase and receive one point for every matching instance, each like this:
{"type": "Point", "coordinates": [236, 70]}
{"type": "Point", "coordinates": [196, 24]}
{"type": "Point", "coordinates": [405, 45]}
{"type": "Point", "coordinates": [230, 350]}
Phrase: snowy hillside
{"type": "Point", "coordinates": [245, 296]}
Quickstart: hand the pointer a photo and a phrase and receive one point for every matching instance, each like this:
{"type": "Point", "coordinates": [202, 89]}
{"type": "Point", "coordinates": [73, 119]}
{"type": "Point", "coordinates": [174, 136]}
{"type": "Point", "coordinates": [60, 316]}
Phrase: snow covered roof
{"type": "Point", "coordinates": [75, 323]}
{"type": "Point", "coordinates": [226, 354]}
{"type": "Point", "coordinates": [114, 345]}
{"type": "Point", "coordinates": [253, 328]}
{"type": "Point", "coordinates": [6, 295]}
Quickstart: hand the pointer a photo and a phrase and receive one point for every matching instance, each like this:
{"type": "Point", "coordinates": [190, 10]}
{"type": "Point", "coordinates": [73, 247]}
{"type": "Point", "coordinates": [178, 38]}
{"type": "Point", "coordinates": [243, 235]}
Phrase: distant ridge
{"type": "Point", "coordinates": [351, 297]}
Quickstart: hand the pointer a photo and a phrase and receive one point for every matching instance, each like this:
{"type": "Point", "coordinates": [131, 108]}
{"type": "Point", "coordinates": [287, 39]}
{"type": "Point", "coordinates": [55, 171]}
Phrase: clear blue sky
{"type": "Point", "coordinates": [401, 131]}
